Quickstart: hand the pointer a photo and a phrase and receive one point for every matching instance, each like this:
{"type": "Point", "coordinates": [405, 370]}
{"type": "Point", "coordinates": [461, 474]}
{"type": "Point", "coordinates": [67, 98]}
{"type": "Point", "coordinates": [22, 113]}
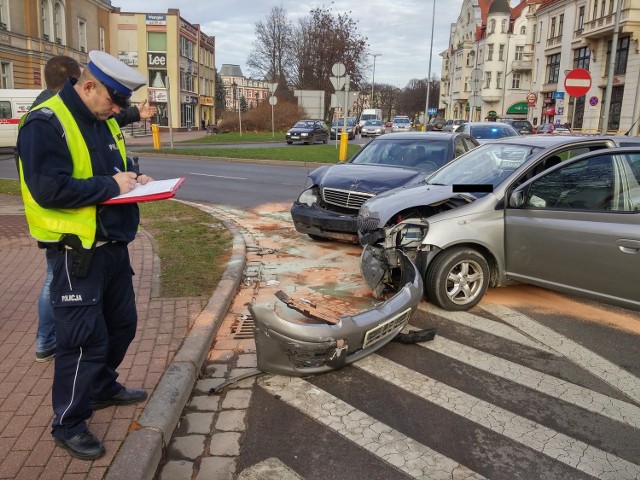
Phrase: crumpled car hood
{"type": "Point", "coordinates": [365, 178]}
{"type": "Point", "coordinates": [387, 204]}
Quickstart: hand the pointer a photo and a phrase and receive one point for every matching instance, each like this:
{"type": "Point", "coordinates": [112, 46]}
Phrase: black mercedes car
{"type": "Point", "coordinates": [328, 207]}
{"type": "Point", "coordinates": [308, 131]}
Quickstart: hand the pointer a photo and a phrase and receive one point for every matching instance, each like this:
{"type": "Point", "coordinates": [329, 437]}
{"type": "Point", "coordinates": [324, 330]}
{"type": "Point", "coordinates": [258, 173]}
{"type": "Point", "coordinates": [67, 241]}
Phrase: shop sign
{"type": "Point", "coordinates": [156, 60]}
{"type": "Point", "coordinates": [152, 19]}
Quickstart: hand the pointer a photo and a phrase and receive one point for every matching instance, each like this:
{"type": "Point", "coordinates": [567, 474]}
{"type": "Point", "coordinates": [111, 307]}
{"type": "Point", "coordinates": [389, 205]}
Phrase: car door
{"type": "Point", "coordinates": [576, 228]}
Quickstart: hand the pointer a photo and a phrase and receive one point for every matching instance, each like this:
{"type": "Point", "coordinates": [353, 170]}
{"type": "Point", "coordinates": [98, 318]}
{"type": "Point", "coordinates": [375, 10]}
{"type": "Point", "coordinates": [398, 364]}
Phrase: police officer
{"type": "Point", "coordinates": [72, 159]}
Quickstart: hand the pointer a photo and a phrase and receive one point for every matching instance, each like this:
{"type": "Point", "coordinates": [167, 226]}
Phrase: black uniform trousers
{"type": "Point", "coordinates": [96, 321]}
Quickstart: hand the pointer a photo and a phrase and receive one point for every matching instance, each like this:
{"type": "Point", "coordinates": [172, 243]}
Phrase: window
{"type": "Point", "coordinates": [501, 53]}
{"type": "Point", "coordinates": [58, 23]}
{"type": "Point", "coordinates": [622, 55]}
{"type": "Point", "coordinates": [519, 52]}
{"type": "Point", "coordinates": [610, 7]}
{"type": "Point", "coordinates": [595, 9]}
{"type": "Point", "coordinates": [186, 48]}
{"type": "Point", "coordinates": [101, 38]}
{"type": "Point", "coordinates": [82, 34]}
{"type": "Point", "coordinates": [45, 19]}
{"type": "Point", "coordinates": [552, 28]}
{"type": "Point", "coordinates": [535, 32]}
{"type": "Point", "coordinates": [581, 57]}
{"type": "Point", "coordinates": [498, 79]}
{"type": "Point", "coordinates": [490, 52]}
{"type": "Point", "coordinates": [560, 23]}
{"type": "Point", "coordinates": [156, 41]}
{"type": "Point", "coordinates": [523, 30]}
{"type": "Point", "coordinates": [492, 26]}
{"type": "Point", "coordinates": [186, 81]}
{"type": "Point", "coordinates": [503, 26]}
{"type": "Point", "coordinates": [580, 19]}
{"type": "Point", "coordinates": [487, 79]}
{"type": "Point", "coordinates": [515, 80]}
{"type": "Point", "coordinates": [603, 8]}
{"type": "Point", "coordinates": [553, 68]}
{"type": "Point", "coordinates": [4, 14]}
{"type": "Point", "coordinates": [6, 75]}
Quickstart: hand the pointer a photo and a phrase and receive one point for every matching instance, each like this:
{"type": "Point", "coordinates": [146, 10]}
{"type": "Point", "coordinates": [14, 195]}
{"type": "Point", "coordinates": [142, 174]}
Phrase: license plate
{"type": "Point", "coordinates": [295, 137]}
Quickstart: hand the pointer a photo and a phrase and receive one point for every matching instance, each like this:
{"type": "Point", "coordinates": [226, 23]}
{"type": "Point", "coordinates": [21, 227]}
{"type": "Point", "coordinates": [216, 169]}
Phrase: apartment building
{"type": "Point", "coordinates": [176, 56]}
{"type": "Point", "coordinates": [508, 60]}
{"type": "Point", "coordinates": [240, 91]}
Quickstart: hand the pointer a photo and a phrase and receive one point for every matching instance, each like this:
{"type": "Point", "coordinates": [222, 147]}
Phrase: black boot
{"type": "Point", "coordinates": [84, 446]}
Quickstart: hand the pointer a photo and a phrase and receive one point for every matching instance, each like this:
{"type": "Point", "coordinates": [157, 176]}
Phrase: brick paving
{"type": "Point", "coordinates": [27, 450]}
{"type": "Point", "coordinates": [26, 447]}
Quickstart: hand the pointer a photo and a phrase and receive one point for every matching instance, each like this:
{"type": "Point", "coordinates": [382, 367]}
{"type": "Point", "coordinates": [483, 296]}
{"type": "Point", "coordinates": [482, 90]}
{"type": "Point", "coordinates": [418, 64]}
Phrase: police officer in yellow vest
{"type": "Point", "coordinates": [72, 159]}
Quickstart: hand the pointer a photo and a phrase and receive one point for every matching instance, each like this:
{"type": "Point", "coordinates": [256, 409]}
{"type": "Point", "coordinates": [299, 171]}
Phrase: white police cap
{"type": "Point", "coordinates": [120, 79]}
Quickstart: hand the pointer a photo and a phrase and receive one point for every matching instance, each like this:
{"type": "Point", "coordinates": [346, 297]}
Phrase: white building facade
{"type": "Point", "coordinates": [523, 54]}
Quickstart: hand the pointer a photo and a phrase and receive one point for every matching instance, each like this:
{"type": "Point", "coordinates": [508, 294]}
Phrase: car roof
{"type": "Point", "coordinates": [420, 135]}
{"type": "Point", "coordinates": [550, 141]}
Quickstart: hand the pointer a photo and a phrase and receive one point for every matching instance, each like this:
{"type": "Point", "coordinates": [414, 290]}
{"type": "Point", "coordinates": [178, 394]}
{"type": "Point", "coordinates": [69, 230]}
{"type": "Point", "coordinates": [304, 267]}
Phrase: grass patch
{"type": "Point", "coordinates": [193, 246]}
{"type": "Point", "coordinates": [235, 137]}
{"type": "Point", "coordinates": [299, 153]}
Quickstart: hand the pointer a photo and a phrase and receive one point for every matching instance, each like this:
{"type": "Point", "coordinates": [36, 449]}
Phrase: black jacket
{"type": "Point", "coordinates": [47, 167]}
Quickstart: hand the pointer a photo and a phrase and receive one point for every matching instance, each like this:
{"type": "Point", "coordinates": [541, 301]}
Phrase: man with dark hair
{"type": "Point", "coordinates": [72, 159]}
{"type": "Point", "coordinates": [56, 72]}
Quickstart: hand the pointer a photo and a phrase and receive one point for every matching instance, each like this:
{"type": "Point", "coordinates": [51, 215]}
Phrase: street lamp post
{"type": "Point", "coordinates": [373, 79]}
{"type": "Point", "coordinates": [426, 106]}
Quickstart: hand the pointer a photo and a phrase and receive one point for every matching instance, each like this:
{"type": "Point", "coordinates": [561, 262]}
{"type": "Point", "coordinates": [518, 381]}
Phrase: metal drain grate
{"type": "Point", "coordinates": [242, 328]}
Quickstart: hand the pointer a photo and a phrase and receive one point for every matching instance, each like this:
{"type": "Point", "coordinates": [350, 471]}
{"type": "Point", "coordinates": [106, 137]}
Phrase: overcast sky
{"type": "Point", "coordinates": [398, 29]}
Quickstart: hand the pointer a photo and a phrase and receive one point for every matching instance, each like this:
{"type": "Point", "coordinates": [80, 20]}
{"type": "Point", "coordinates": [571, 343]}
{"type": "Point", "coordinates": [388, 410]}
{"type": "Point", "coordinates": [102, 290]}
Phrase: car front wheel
{"type": "Point", "coordinates": [457, 279]}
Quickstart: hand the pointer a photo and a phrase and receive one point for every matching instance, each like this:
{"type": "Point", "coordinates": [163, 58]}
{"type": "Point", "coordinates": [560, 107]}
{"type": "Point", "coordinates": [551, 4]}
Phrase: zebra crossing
{"type": "Point", "coordinates": [449, 409]}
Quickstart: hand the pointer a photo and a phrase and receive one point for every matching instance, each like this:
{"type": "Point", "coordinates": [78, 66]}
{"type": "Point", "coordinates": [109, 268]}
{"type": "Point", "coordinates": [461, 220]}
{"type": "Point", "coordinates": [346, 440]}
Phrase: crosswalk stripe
{"type": "Point", "coordinates": [566, 391]}
{"type": "Point", "coordinates": [486, 325]}
{"type": "Point", "coordinates": [609, 372]}
{"type": "Point", "coordinates": [556, 445]}
{"type": "Point", "coordinates": [376, 437]}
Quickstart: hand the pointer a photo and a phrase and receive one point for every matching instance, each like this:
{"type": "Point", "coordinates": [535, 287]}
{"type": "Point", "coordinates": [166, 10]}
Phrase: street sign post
{"type": "Point", "coordinates": [577, 82]}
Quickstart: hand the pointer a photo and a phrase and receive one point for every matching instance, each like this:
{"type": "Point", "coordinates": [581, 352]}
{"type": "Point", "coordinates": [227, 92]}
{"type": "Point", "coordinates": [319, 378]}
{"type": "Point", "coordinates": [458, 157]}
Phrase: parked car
{"type": "Point", "coordinates": [561, 212]}
{"type": "Point", "coordinates": [351, 129]}
{"type": "Point", "coordinates": [372, 128]}
{"type": "Point", "coordinates": [487, 131]}
{"type": "Point", "coordinates": [308, 131]}
{"type": "Point", "coordinates": [523, 127]}
{"type": "Point", "coordinates": [401, 124]}
{"type": "Point", "coordinates": [553, 128]}
{"type": "Point", "coordinates": [328, 206]}
{"type": "Point", "coordinates": [436, 123]}
{"type": "Point", "coordinates": [453, 125]}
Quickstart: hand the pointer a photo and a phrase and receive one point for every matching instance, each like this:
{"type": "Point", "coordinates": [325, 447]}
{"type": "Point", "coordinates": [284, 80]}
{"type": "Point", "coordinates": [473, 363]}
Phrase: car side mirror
{"type": "Point", "coordinates": [516, 200]}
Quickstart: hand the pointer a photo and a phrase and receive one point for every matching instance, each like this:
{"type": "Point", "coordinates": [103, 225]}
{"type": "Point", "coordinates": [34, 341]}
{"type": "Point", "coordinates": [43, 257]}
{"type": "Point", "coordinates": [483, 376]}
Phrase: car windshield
{"type": "Point", "coordinates": [484, 132]}
{"type": "Point", "coordinates": [490, 163]}
{"type": "Point", "coordinates": [419, 154]}
{"type": "Point", "coordinates": [373, 123]}
{"type": "Point", "coordinates": [350, 122]}
{"type": "Point", "coordinates": [401, 120]}
{"type": "Point", "coordinates": [303, 124]}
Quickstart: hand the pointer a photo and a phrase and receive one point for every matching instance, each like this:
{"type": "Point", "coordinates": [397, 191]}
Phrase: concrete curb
{"type": "Point", "coordinates": [141, 452]}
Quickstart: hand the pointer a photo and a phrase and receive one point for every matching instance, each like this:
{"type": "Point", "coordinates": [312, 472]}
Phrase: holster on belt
{"type": "Point", "coordinates": [81, 256]}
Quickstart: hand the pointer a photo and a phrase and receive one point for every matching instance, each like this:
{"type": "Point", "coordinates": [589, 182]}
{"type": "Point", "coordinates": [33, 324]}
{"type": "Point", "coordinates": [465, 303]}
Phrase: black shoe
{"type": "Point", "coordinates": [46, 355]}
{"type": "Point", "coordinates": [126, 396]}
{"type": "Point", "coordinates": [84, 446]}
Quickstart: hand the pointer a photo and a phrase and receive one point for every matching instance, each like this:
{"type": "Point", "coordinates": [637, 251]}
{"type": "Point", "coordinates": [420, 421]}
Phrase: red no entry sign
{"type": "Point", "coordinates": [577, 82]}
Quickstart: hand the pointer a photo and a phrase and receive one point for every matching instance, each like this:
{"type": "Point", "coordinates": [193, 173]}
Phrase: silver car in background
{"type": "Point", "coordinates": [560, 212]}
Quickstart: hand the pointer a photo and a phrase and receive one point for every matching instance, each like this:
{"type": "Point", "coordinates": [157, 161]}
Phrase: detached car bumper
{"type": "Point", "coordinates": [325, 223]}
{"type": "Point", "coordinates": [301, 349]}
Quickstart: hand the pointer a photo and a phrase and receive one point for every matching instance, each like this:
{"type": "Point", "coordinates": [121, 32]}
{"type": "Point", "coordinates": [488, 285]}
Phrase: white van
{"type": "Point", "coordinates": [14, 103]}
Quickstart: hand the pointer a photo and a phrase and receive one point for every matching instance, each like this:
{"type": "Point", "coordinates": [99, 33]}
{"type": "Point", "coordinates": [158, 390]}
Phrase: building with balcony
{"type": "Point", "coordinates": [524, 52]}
{"type": "Point", "coordinates": [579, 34]}
{"type": "Point", "coordinates": [240, 91]}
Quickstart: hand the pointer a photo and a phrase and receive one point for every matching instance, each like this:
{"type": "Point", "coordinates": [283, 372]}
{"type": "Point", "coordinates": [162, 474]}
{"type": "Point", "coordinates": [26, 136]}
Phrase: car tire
{"type": "Point", "coordinates": [325, 140]}
{"type": "Point", "coordinates": [457, 279]}
{"type": "Point", "coordinates": [311, 141]}
{"type": "Point", "coordinates": [289, 143]}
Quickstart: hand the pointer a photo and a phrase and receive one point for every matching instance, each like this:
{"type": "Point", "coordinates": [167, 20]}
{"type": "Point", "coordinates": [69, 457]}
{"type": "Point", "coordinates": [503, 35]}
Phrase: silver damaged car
{"type": "Point", "coordinates": [559, 212]}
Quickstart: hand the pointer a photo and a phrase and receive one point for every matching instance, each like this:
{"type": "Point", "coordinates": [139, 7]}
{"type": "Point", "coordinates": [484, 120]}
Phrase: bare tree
{"type": "Point", "coordinates": [321, 40]}
{"type": "Point", "coordinates": [272, 55]}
